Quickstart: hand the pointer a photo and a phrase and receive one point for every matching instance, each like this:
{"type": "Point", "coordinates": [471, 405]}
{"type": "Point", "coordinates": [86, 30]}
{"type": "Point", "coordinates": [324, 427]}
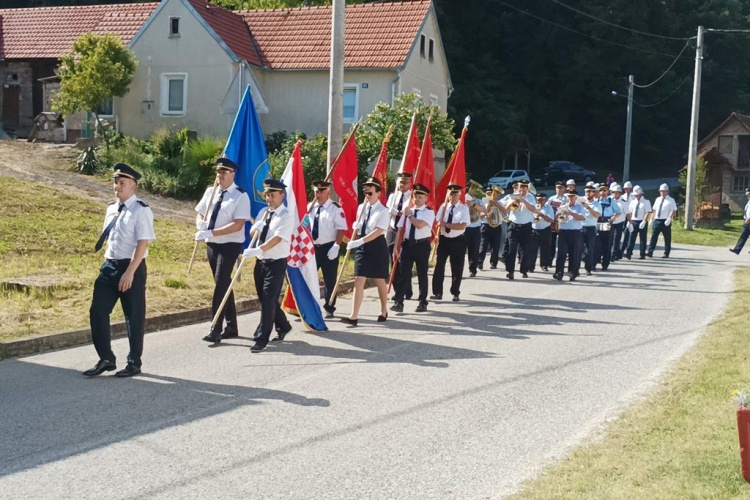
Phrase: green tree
{"type": "Point", "coordinates": [99, 68]}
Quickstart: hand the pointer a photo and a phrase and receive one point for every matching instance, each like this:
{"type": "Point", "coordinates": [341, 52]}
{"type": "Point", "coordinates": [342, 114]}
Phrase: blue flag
{"type": "Point", "coordinates": [246, 147]}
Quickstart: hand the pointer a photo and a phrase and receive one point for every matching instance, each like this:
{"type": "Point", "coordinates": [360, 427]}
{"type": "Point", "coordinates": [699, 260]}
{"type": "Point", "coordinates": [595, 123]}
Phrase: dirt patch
{"type": "Point", "coordinates": [51, 164]}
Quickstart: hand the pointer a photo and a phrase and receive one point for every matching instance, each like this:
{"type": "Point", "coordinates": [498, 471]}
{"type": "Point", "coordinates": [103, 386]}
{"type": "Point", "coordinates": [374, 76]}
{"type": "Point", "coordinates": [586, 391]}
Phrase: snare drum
{"type": "Point", "coordinates": [603, 226]}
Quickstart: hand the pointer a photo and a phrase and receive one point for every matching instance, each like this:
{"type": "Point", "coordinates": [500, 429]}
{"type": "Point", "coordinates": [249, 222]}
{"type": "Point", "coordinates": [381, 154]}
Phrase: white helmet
{"type": "Point", "coordinates": [612, 186]}
{"type": "Point", "coordinates": [615, 188]}
{"type": "Point", "coordinates": [570, 182]}
{"type": "Point", "coordinates": [664, 187]}
{"type": "Point", "coordinates": [637, 190]}
{"type": "Point", "coordinates": [628, 185]}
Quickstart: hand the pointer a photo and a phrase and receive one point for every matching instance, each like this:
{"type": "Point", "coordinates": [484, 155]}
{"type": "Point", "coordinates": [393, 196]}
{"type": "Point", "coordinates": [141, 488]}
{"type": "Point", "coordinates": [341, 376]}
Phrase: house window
{"type": "Point", "coordinates": [726, 144]}
{"type": "Point", "coordinates": [740, 183]}
{"type": "Point", "coordinates": [106, 110]}
{"type": "Point", "coordinates": [432, 50]}
{"type": "Point", "coordinates": [173, 93]}
{"type": "Point", "coordinates": [174, 26]}
{"type": "Point", "coordinates": [351, 100]}
{"type": "Point", "coordinates": [743, 153]}
{"type": "Point", "coordinates": [422, 40]}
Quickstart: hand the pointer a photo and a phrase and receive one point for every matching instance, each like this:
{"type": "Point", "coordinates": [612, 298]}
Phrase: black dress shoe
{"type": "Point", "coordinates": [509, 276]}
{"type": "Point", "coordinates": [473, 274]}
{"type": "Point", "coordinates": [588, 273]}
{"type": "Point", "coordinates": [258, 347]}
{"type": "Point", "coordinates": [642, 257]}
{"type": "Point", "coordinates": [734, 251]}
{"type": "Point", "coordinates": [629, 256]}
{"type": "Point", "coordinates": [382, 318]}
{"type": "Point", "coordinates": [421, 308]}
{"type": "Point", "coordinates": [128, 371]}
{"type": "Point", "coordinates": [665, 256]}
{"type": "Point", "coordinates": [545, 268]}
{"type": "Point", "coordinates": [493, 266]}
{"type": "Point", "coordinates": [101, 366]}
{"type": "Point", "coordinates": [572, 277]}
{"type": "Point", "coordinates": [525, 275]}
{"type": "Point", "coordinates": [281, 334]}
{"type": "Point", "coordinates": [408, 297]}
{"type": "Point", "coordinates": [456, 298]}
{"type": "Point", "coordinates": [437, 296]}
{"type": "Point", "coordinates": [213, 336]}
{"type": "Point", "coordinates": [558, 276]}
{"type": "Point", "coordinates": [349, 321]}
{"type": "Point", "coordinates": [229, 334]}
{"type": "Point", "coordinates": [329, 315]}
{"type": "Point", "coordinates": [649, 254]}
{"type": "Point", "coordinates": [398, 307]}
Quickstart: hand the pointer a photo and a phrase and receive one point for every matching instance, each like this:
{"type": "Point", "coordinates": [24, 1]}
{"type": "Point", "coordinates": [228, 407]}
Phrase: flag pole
{"type": "Point", "coordinates": [343, 148]}
{"type": "Point", "coordinates": [205, 215]}
{"type": "Point", "coordinates": [334, 293]}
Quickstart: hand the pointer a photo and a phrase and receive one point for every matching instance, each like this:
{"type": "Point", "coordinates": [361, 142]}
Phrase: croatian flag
{"type": "Point", "coordinates": [301, 297]}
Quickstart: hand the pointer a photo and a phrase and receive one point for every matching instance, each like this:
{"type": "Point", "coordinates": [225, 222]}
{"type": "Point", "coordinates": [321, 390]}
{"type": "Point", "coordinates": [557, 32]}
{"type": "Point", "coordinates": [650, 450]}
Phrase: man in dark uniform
{"type": "Point", "coordinates": [453, 218]}
{"type": "Point", "coordinates": [274, 227]}
{"type": "Point", "coordinates": [400, 198]}
{"type": "Point", "coordinates": [490, 236]}
{"type": "Point", "coordinates": [327, 225]}
{"type": "Point", "coordinates": [519, 230]}
{"type": "Point", "coordinates": [128, 228]}
{"type": "Point", "coordinates": [224, 232]}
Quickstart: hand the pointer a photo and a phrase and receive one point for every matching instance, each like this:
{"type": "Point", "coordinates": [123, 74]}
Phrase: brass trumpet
{"type": "Point", "coordinates": [494, 216]}
{"type": "Point", "coordinates": [538, 216]}
{"type": "Point", "coordinates": [562, 213]}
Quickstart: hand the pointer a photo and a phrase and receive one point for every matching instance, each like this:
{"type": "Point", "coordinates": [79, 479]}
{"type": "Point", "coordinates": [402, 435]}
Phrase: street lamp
{"type": "Point", "coordinates": [628, 129]}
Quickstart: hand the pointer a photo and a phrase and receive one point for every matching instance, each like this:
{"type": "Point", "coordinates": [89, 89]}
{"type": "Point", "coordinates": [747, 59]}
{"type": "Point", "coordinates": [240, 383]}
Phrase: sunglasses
{"type": "Point", "coordinates": [369, 193]}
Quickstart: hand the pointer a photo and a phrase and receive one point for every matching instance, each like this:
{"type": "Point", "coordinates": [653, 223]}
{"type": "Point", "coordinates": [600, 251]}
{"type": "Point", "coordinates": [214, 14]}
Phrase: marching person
{"type": "Point", "coordinates": [224, 232]}
{"type": "Point", "coordinates": [745, 226]}
{"type": "Point", "coordinates": [371, 258]}
{"type": "Point", "coordinates": [490, 236]}
{"type": "Point", "coordinates": [592, 212]}
{"type": "Point", "coordinates": [570, 186]}
{"type": "Point", "coordinates": [327, 228]}
{"type": "Point", "coordinates": [503, 205]}
{"type": "Point", "coordinates": [640, 208]}
{"type": "Point", "coordinates": [274, 227]}
{"type": "Point", "coordinates": [415, 249]}
{"type": "Point", "coordinates": [627, 196]}
{"type": "Point", "coordinates": [521, 215]}
{"type": "Point", "coordinates": [618, 226]}
{"type": "Point", "coordinates": [664, 210]}
{"type": "Point", "coordinates": [128, 229]}
{"type": "Point", "coordinates": [556, 201]}
{"type": "Point", "coordinates": [451, 243]}
{"type": "Point", "coordinates": [611, 212]}
{"type": "Point", "coordinates": [541, 233]}
{"type": "Point", "coordinates": [571, 217]}
{"type": "Point", "coordinates": [473, 233]}
{"type": "Point", "coordinates": [397, 200]}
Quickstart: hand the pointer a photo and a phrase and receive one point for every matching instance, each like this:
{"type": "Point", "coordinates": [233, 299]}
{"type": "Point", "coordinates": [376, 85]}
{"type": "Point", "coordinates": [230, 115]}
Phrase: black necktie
{"type": "Point", "coordinates": [413, 230]}
{"type": "Point", "coordinates": [108, 229]}
{"type": "Point", "coordinates": [315, 224]}
{"type": "Point", "coordinates": [661, 204]}
{"type": "Point", "coordinates": [363, 229]}
{"type": "Point", "coordinates": [398, 208]}
{"type": "Point", "coordinates": [450, 219]}
{"type": "Point", "coordinates": [215, 211]}
{"type": "Point", "coordinates": [264, 232]}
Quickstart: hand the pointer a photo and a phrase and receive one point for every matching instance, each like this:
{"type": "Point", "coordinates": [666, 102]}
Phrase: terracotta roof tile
{"type": "Point", "coordinates": [49, 32]}
{"type": "Point", "coordinates": [231, 28]}
{"type": "Point", "coordinates": [378, 35]}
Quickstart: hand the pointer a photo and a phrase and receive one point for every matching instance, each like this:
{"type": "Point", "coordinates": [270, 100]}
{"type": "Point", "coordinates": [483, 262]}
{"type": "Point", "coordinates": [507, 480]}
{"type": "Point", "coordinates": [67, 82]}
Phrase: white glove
{"type": "Point", "coordinates": [203, 225]}
{"type": "Point", "coordinates": [630, 227]}
{"type": "Point", "coordinates": [333, 252]}
{"type": "Point", "coordinates": [668, 222]}
{"type": "Point", "coordinates": [259, 225]}
{"type": "Point", "coordinates": [252, 252]}
{"type": "Point", "coordinates": [203, 235]}
{"type": "Point", "coordinates": [642, 225]}
{"type": "Point", "coordinates": [355, 243]}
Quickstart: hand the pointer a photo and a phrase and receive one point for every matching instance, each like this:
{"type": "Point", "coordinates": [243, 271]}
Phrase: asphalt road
{"type": "Point", "coordinates": [466, 401]}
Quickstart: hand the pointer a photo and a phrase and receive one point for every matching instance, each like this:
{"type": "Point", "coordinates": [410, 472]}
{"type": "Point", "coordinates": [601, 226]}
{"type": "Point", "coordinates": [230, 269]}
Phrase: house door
{"type": "Point", "coordinates": [11, 105]}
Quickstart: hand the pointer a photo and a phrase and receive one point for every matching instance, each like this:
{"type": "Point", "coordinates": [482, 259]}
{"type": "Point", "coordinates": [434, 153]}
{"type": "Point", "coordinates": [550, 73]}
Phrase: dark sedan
{"type": "Point", "coordinates": [562, 171]}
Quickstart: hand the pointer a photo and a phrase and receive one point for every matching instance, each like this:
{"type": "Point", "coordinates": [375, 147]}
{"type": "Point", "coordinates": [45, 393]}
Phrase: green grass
{"type": "Point", "coordinates": [49, 233]}
{"type": "Point", "coordinates": [722, 237]}
{"type": "Point", "coordinates": [681, 443]}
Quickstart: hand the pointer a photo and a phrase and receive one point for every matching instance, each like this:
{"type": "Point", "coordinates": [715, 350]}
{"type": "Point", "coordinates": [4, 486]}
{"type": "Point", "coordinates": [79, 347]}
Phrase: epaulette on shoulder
{"type": "Point", "coordinates": [336, 204]}
{"type": "Point", "coordinates": [142, 203]}
{"type": "Point", "coordinates": [240, 189]}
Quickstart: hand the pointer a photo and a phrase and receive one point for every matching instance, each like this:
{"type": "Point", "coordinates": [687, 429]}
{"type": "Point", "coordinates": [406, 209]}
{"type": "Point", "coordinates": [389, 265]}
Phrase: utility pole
{"type": "Point", "coordinates": [628, 131]}
{"type": "Point", "coordinates": [693, 147]}
{"type": "Point", "coordinates": [336, 86]}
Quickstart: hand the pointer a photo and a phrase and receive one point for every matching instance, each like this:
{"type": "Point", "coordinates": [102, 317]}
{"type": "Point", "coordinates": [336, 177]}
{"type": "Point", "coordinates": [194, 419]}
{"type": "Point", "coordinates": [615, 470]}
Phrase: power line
{"type": "Point", "coordinates": [666, 71]}
{"type": "Point", "coordinates": [580, 33]}
{"type": "Point", "coordinates": [603, 21]}
{"type": "Point", "coordinates": [668, 95]}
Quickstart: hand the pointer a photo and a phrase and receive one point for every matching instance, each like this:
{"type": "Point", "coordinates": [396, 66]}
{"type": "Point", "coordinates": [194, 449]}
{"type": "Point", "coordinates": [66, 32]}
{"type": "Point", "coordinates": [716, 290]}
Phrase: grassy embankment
{"type": "Point", "coordinates": [48, 233]}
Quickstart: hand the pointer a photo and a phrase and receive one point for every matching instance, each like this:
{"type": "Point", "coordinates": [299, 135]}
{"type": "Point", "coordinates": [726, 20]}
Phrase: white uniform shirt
{"type": "Point", "coordinates": [663, 207]}
{"type": "Point", "coordinates": [570, 223]}
{"type": "Point", "coordinates": [590, 219]}
{"type": "Point", "coordinates": [523, 215]}
{"type": "Point", "coordinates": [639, 208]}
{"type": "Point", "coordinates": [135, 223]}
{"type": "Point", "coordinates": [393, 200]}
{"type": "Point", "coordinates": [478, 202]}
{"type": "Point", "coordinates": [422, 213]}
{"type": "Point", "coordinates": [556, 201]}
{"type": "Point", "coordinates": [281, 225]}
{"type": "Point", "coordinates": [460, 216]}
{"type": "Point", "coordinates": [747, 210]}
{"type": "Point", "coordinates": [330, 221]}
{"type": "Point", "coordinates": [543, 224]}
{"type": "Point", "coordinates": [624, 207]}
{"type": "Point", "coordinates": [379, 218]}
{"type": "Point", "coordinates": [234, 205]}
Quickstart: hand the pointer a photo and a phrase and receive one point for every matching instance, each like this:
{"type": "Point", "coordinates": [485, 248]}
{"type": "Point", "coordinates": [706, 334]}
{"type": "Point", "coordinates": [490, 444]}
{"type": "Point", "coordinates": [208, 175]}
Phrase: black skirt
{"type": "Point", "coordinates": [371, 259]}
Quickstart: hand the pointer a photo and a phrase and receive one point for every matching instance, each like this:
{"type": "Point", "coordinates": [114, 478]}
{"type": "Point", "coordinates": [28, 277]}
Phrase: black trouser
{"type": "Point", "coordinates": [569, 247]}
{"type": "Point", "coordinates": [540, 239]}
{"type": "Point", "coordinates": [455, 248]}
{"type": "Point", "coordinates": [132, 301]}
{"type": "Point", "coordinates": [658, 227]}
{"type": "Point", "coordinates": [222, 257]}
{"type": "Point", "coordinates": [269, 277]}
{"type": "Point", "coordinates": [391, 240]}
{"type": "Point", "coordinates": [626, 238]}
{"type": "Point", "coordinates": [603, 248]}
{"type": "Point", "coordinates": [589, 238]}
{"type": "Point", "coordinates": [617, 240]}
{"type": "Point", "coordinates": [637, 232]}
{"type": "Point", "coordinates": [330, 268]}
{"type": "Point", "coordinates": [473, 237]}
{"type": "Point", "coordinates": [490, 240]}
{"type": "Point", "coordinates": [416, 252]}
{"type": "Point", "coordinates": [552, 245]}
{"type": "Point", "coordinates": [743, 238]}
{"type": "Point", "coordinates": [519, 241]}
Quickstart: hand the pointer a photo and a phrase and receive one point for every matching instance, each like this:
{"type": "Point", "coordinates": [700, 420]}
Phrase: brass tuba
{"type": "Point", "coordinates": [476, 189]}
{"type": "Point", "coordinates": [494, 216]}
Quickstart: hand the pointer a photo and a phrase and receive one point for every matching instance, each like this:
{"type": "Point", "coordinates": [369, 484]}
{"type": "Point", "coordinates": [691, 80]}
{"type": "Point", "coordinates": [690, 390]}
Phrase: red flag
{"type": "Point", "coordinates": [344, 178]}
{"type": "Point", "coordinates": [411, 151]}
{"type": "Point", "coordinates": [425, 172]}
{"type": "Point", "coordinates": [456, 171]}
{"type": "Point", "coordinates": [380, 172]}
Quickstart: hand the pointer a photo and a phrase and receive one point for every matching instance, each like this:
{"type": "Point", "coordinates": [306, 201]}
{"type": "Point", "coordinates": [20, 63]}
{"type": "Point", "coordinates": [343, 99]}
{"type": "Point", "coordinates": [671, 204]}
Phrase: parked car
{"type": "Point", "coordinates": [506, 178]}
{"type": "Point", "coordinates": [562, 171]}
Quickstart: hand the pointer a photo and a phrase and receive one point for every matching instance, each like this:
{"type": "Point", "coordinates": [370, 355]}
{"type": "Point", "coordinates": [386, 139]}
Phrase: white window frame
{"type": "Point", "coordinates": [179, 23]}
{"type": "Point", "coordinates": [102, 115]}
{"type": "Point", "coordinates": [165, 78]}
{"type": "Point", "coordinates": [355, 88]}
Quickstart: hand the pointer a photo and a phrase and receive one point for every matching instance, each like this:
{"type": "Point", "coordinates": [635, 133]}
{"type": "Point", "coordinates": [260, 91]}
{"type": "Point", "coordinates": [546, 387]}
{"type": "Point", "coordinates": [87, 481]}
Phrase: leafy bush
{"type": "Point", "coordinates": [87, 162]}
{"type": "Point", "coordinates": [197, 169]}
{"type": "Point", "coordinates": [169, 143]}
